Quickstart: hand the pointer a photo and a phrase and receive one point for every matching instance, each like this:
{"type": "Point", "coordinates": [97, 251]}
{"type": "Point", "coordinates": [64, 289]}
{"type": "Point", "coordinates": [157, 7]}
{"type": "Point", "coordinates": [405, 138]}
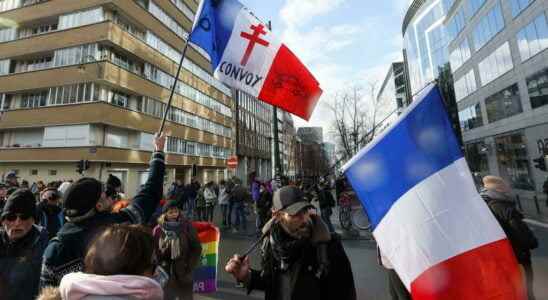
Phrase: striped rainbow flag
{"type": "Point", "coordinates": [205, 275]}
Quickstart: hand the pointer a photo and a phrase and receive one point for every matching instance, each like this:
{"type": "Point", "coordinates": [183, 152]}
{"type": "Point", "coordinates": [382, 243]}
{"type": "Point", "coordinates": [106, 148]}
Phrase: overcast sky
{"type": "Point", "coordinates": [342, 42]}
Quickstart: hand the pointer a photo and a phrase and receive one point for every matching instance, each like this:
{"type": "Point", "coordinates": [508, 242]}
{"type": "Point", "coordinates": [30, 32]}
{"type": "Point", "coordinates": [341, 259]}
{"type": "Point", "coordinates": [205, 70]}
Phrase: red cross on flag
{"type": "Point", "coordinates": [247, 56]}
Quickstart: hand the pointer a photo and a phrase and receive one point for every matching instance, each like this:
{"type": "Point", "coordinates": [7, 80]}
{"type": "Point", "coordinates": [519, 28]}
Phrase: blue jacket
{"type": "Point", "coordinates": [65, 253]}
{"type": "Point", "coordinates": [20, 264]}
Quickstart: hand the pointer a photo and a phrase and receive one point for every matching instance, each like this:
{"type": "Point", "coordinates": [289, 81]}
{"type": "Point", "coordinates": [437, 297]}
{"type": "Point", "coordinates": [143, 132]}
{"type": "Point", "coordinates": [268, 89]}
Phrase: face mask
{"type": "Point", "coordinates": [160, 276]}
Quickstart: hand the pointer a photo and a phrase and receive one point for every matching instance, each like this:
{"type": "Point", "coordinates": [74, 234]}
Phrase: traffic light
{"type": "Point", "coordinates": [540, 163]}
{"type": "Point", "coordinates": [80, 166]}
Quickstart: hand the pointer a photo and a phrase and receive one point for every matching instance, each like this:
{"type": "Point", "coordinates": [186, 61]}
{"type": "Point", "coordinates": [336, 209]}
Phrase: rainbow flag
{"type": "Point", "coordinates": [205, 275]}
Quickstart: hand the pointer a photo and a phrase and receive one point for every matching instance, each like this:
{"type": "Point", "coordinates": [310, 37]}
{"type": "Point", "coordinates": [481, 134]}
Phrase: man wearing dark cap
{"type": "Point", "coordinates": [49, 213]}
{"type": "Point", "coordinates": [22, 244]}
{"type": "Point", "coordinates": [85, 208]}
{"type": "Point", "coordinates": [11, 179]}
{"type": "Point", "coordinates": [3, 196]}
{"type": "Point", "coordinates": [301, 259]}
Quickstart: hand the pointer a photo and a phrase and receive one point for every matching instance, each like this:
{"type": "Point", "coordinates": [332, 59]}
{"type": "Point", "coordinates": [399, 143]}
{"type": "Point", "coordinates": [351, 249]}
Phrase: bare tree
{"type": "Point", "coordinates": [355, 112]}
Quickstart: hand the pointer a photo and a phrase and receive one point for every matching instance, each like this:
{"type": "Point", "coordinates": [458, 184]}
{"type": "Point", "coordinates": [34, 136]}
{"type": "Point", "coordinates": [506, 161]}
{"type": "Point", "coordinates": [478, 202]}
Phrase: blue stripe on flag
{"type": "Point", "coordinates": [418, 145]}
{"type": "Point", "coordinates": [214, 27]}
{"type": "Point", "coordinates": [204, 272]}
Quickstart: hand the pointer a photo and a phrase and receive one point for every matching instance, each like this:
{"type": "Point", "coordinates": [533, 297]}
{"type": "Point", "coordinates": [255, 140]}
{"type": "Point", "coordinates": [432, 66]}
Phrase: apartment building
{"type": "Point", "coordinates": [90, 79]}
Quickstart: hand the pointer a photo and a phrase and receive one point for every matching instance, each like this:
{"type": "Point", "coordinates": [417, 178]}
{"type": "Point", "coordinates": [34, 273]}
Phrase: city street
{"type": "Point", "coordinates": [370, 279]}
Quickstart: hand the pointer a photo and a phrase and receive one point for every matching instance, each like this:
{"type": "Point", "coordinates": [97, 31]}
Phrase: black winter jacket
{"type": "Point", "coordinates": [337, 283]}
{"type": "Point", "coordinates": [325, 198]}
{"type": "Point", "coordinates": [65, 253]}
{"type": "Point", "coordinates": [510, 219]}
{"type": "Point", "coordinates": [20, 264]}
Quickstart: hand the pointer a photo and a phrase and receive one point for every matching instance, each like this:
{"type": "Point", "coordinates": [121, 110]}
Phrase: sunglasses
{"type": "Point", "coordinates": [13, 217]}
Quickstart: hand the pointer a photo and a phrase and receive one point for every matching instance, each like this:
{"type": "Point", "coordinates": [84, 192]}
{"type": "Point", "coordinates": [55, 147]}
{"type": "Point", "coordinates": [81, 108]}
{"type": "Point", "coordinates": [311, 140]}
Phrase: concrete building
{"type": "Point", "coordinates": [500, 67]}
{"type": "Point", "coordinates": [253, 136]}
{"type": "Point", "coordinates": [330, 154]}
{"type": "Point", "coordinates": [310, 134]}
{"type": "Point", "coordinates": [89, 80]}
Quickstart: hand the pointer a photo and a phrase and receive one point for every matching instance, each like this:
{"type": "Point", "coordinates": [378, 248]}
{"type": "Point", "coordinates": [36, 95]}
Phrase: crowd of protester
{"type": "Point", "coordinates": [86, 240]}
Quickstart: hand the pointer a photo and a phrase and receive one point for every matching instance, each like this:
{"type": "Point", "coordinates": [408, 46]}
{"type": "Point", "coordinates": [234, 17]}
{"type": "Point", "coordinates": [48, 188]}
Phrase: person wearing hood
{"type": "Point", "coordinates": [496, 193]}
{"type": "Point", "coordinates": [22, 244]}
{"type": "Point", "coordinates": [178, 250]}
{"type": "Point", "coordinates": [87, 207]}
{"type": "Point", "coordinates": [301, 259]}
{"type": "Point", "coordinates": [50, 215]}
{"type": "Point", "coordinates": [129, 274]}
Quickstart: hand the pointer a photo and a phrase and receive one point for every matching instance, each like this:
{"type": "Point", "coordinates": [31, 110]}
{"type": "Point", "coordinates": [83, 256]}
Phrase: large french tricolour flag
{"type": "Point", "coordinates": [427, 217]}
{"type": "Point", "coordinates": [246, 55]}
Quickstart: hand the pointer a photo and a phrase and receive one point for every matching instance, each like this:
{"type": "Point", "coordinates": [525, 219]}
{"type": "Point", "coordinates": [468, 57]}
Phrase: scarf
{"type": "Point", "coordinates": [170, 240]}
{"type": "Point", "coordinates": [286, 249]}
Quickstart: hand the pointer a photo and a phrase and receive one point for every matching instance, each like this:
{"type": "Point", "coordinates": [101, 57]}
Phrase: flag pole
{"type": "Point", "coordinates": [177, 74]}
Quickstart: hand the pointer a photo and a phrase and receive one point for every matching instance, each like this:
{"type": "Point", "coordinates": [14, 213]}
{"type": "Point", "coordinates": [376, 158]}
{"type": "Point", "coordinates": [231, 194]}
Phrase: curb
{"type": "Point", "coordinates": [536, 223]}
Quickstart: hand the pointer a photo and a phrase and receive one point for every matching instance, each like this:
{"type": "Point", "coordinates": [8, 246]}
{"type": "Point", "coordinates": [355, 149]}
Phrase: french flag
{"type": "Point", "coordinates": [246, 55]}
{"type": "Point", "coordinates": [427, 217]}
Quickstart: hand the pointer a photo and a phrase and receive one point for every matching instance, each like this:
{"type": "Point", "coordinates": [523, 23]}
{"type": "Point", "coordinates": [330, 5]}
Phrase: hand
{"type": "Point", "coordinates": [239, 268]}
{"type": "Point", "coordinates": [159, 141]}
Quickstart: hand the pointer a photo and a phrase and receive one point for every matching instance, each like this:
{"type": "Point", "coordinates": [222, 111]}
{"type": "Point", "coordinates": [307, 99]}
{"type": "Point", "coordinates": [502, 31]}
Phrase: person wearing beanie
{"type": "Point", "coordinates": [22, 244]}
{"type": "Point", "coordinates": [49, 213]}
{"type": "Point", "coordinates": [87, 204]}
{"type": "Point", "coordinates": [177, 249]}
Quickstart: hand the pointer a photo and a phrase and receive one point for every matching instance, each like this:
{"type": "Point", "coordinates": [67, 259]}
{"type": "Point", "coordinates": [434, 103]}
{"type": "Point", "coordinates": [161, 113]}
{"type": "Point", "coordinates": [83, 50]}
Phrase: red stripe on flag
{"type": "Point", "coordinates": [290, 86]}
{"type": "Point", "coordinates": [207, 232]}
{"type": "Point", "coordinates": [488, 272]}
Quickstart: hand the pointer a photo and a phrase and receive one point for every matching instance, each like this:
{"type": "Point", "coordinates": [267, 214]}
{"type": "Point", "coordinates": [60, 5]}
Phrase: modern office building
{"type": "Point", "coordinates": [90, 79]}
{"type": "Point", "coordinates": [253, 136]}
{"type": "Point", "coordinates": [310, 134]}
{"type": "Point", "coordinates": [500, 67]}
{"type": "Point", "coordinates": [425, 41]}
{"type": "Point", "coordinates": [392, 96]}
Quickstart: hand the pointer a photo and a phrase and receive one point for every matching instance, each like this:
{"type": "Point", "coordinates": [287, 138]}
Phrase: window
{"type": "Point", "coordinates": [117, 137]}
{"type": "Point", "coordinates": [503, 104]}
{"type": "Point", "coordinates": [155, 42]}
{"type": "Point", "coordinates": [38, 29]}
{"type": "Point", "coordinates": [474, 6]}
{"type": "Point", "coordinates": [460, 55]}
{"type": "Point", "coordinates": [76, 55]}
{"type": "Point", "coordinates": [496, 64]}
{"type": "Point", "coordinates": [81, 18]}
{"type": "Point", "coordinates": [69, 94]}
{"type": "Point", "coordinates": [533, 38]}
{"type": "Point", "coordinates": [456, 24]}
{"type": "Point", "coordinates": [4, 66]}
{"type": "Point", "coordinates": [8, 34]}
{"type": "Point", "coordinates": [33, 172]}
{"type": "Point", "coordinates": [488, 27]}
{"type": "Point", "coordinates": [67, 136]}
{"type": "Point", "coordinates": [120, 99]}
{"type": "Point", "coordinates": [470, 117]}
{"type": "Point", "coordinates": [156, 11]}
{"type": "Point", "coordinates": [53, 172]}
{"type": "Point", "coordinates": [537, 86]}
{"type": "Point", "coordinates": [465, 85]}
{"type": "Point", "coordinates": [476, 156]}
{"type": "Point", "coordinates": [513, 160]}
{"type": "Point", "coordinates": [9, 4]}
{"type": "Point", "coordinates": [519, 5]}
{"type": "Point", "coordinates": [31, 100]}
{"type": "Point", "coordinates": [32, 64]}
{"type": "Point", "coordinates": [184, 8]}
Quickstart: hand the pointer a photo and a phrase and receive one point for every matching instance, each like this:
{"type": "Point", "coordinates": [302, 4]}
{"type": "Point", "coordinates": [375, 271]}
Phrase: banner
{"type": "Point", "coordinates": [205, 275]}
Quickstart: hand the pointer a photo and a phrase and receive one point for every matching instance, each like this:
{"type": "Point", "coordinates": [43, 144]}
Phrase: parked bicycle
{"type": "Point", "coordinates": [351, 212]}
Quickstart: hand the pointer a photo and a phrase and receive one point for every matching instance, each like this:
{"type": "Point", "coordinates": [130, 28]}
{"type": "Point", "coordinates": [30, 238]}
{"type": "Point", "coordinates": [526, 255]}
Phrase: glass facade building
{"type": "Point", "coordinates": [499, 61]}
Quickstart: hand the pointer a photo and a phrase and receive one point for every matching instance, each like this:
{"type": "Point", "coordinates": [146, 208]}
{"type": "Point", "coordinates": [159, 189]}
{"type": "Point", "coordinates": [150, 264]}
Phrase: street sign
{"type": "Point", "coordinates": [232, 162]}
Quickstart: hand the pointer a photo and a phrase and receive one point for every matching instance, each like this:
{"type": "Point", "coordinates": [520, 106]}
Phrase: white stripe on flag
{"type": "Point", "coordinates": [439, 218]}
{"type": "Point", "coordinates": [261, 57]}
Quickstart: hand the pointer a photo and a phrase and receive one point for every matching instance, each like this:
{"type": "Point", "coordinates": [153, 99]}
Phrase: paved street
{"type": "Point", "coordinates": [369, 277]}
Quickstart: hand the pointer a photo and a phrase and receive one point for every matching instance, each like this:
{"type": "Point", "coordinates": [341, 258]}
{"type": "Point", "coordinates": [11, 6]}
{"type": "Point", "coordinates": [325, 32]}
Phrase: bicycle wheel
{"type": "Point", "coordinates": [345, 219]}
{"type": "Point", "coordinates": [360, 219]}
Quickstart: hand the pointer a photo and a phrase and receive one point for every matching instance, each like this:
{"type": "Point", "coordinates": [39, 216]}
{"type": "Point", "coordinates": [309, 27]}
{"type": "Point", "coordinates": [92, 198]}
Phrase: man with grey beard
{"type": "Point", "coordinates": [301, 259]}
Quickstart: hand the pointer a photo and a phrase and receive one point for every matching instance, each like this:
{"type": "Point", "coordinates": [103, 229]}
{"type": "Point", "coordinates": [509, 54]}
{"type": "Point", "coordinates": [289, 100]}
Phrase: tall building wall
{"type": "Point", "coordinates": [90, 79]}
